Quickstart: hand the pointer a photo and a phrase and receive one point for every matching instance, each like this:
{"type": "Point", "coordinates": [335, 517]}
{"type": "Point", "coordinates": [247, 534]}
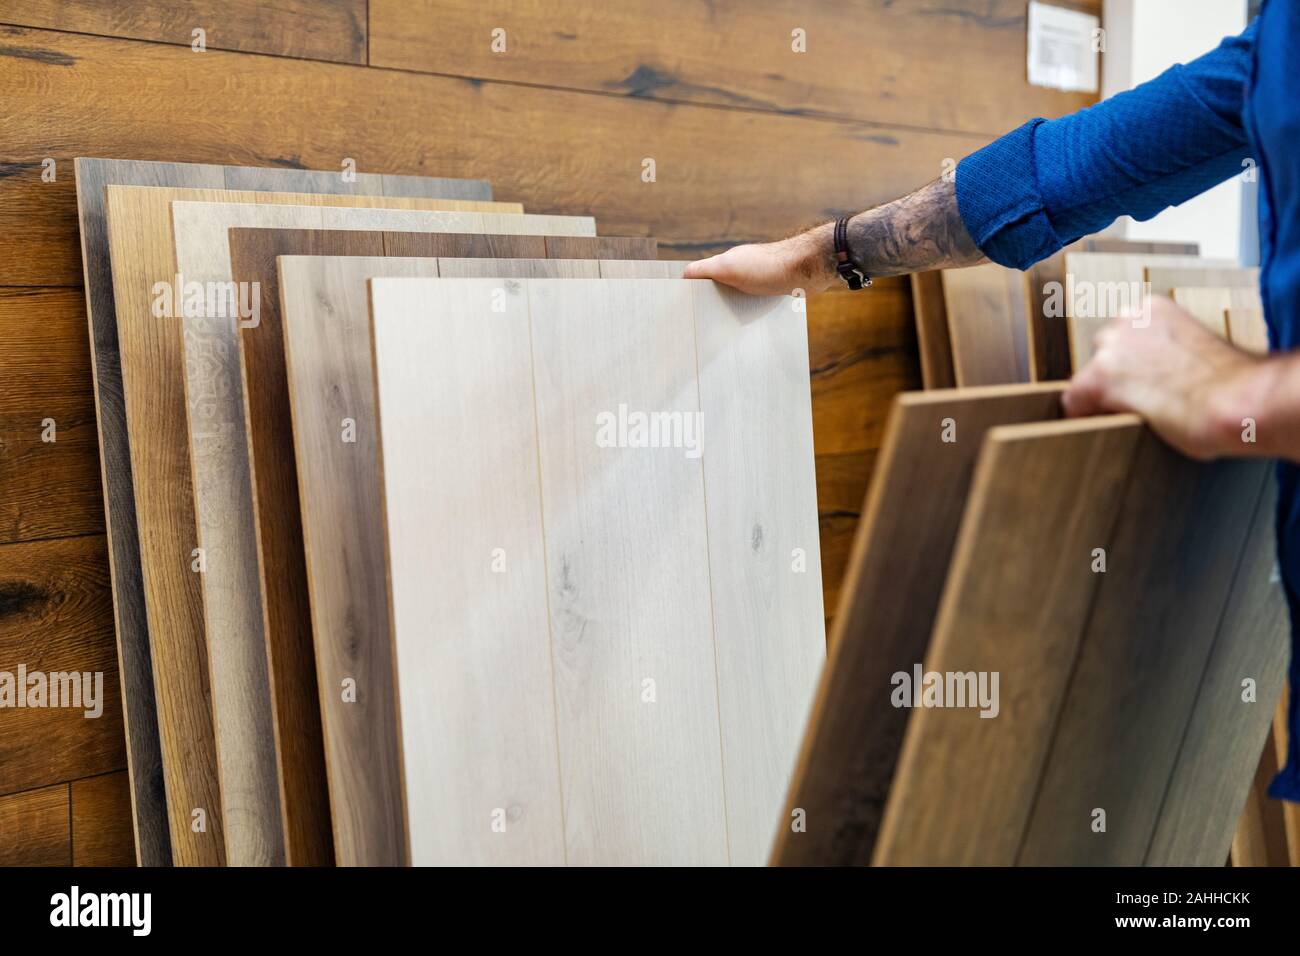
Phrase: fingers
{"type": "Point", "coordinates": [703, 268]}
{"type": "Point", "coordinates": [1085, 394]}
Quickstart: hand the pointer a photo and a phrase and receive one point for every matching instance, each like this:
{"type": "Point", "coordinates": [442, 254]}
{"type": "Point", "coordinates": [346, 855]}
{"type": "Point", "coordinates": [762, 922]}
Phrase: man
{"type": "Point", "coordinates": [1048, 183]}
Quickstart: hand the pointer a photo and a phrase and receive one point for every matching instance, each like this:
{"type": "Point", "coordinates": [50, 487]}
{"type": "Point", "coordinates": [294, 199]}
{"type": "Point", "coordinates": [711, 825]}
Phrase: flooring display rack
{"type": "Point", "coordinates": [446, 533]}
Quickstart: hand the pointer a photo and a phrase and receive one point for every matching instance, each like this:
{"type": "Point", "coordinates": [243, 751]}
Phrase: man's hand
{"type": "Point", "coordinates": [802, 262]}
{"type": "Point", "coordinates": [1191, 386]}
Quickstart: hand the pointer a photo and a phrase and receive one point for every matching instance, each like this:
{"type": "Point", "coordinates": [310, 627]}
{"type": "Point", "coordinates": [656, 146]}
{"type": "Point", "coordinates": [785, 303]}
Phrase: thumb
{"type": "Point", "coordinates": [702, 268]}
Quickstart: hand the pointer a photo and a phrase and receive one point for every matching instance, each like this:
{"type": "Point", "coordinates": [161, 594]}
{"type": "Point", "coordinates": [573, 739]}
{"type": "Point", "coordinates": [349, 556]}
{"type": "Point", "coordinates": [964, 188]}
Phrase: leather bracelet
{"type": "Point", "coordinates": [848, 270]}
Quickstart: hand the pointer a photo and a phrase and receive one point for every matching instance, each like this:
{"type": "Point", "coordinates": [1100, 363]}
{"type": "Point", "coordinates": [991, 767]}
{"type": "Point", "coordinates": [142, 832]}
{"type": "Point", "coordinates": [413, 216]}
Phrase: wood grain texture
{"type": "Point", "coordinates": [92, 178]}
{"type": "Point", "coordinates": [274, 179]}
{"type": "Point", "coordinates": [471, 648]}
{"type": "Point", "coordinates": [1248, 330]}
{"type": "Point", "coordinates": [740, 55]}
{"type": "Point", "coordinates": [1177, 548]}
{"type": "Point", "coordinates": [988, 317]}
{"type": "Point", "coordinates": [1221, 742]}
{"type": "Point", "coordinates": [330, 378]}
{"type": "Point", "coordinates": [1164, 278]}
{"type": "Point", "coordinates": [932, 336]}
{"type": "Point", "coordinates": [34, 828]}
{"type": "Point", "coordinates": [357, 793]}
{"type": "Point", "coordinates": [242, 631]}
{"type": "Point", "coordinates": [316, 29]}
{"type": "Point", "coordinates": [1210, 305]}
{"type": "Point", "coordinates": [49, 468]}
{"type": "Point", "coordinates": [862, 353]}
{"type": "Point", "coordinates": [887, 607]}
{"type": "Point", "coordinates": [764, 552]}
{"type": "Point", "coordinates": [151, 352]}
{"type": "Point", "coordinates": [1098, 285]}
{"type": "Point", "coordinates": [1049, 334]}
{"type": "Point", "coordinates": [56, 618]}
{"type": "Point", "coordinates": [1015, 604]}
{"type": "Point", "coordinates": [628, 578]}
{"type": "Point", "coordinates": [101, 821]}
{"type": "Point", "coordinates": [1260, 838]}
{"type": "Point", "coordinates": [139, 702]}
{"type": "Point", "coordinates": [144, 93]}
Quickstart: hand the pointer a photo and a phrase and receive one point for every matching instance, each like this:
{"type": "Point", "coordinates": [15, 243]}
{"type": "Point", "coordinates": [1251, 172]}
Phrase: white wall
{"type": "Point", "coordinates": [1143, 38]}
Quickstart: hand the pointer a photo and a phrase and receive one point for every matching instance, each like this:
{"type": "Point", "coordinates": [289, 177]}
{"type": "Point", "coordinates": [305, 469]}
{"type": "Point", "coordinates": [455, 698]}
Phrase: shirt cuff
{"type": "Point", "coordinates": [1000, 204]}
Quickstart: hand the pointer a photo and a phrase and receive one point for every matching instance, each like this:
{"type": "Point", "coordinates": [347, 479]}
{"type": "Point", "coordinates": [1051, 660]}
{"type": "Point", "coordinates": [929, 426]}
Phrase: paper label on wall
{"type": "Point", "coordinates": [1063, 47]}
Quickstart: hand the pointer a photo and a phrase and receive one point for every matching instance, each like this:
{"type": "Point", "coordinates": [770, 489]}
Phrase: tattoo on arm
{"type": "Point", "coordinates": [921, 231]}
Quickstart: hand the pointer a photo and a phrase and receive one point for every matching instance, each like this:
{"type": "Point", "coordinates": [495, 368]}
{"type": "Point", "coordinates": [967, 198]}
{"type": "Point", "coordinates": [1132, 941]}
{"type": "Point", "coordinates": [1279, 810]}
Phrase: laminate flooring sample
{"type": "Point", "coordinates": [152, 358]}
{"type": "Point", "coordinates": [1221, 743]}
{"type": "Point", "coordinates": [887, 608]}
{"type": "Point", "coordinates": [148, 799]}
{"type": "Point", "coordinates": [1049, 334]}
{"type": "Point", "coordinates": [238, 574]}
{"type": "Point", "coordinates": [1170, 569]}
{"type": "Point", "coordinates": [330, 383]}
{"type": "Point", "coordinates": [988, 323]}
{"type": "Point", "coordinates": [1015, 604]}
{"type": "Point", "coordinates": [1165, 278]}
{"type": "Point", "coordinates": [639, 668]}
{"type": "Point", "coordinates": [1248, 330]}
{"type": "Point", "coordinates": [932, 337]}
{"type": "Point", "coordinates": [1210, 304]}
{"type": "Point", "coordinates": [357, 763]}
{"type": "Point", "coordinates": [1098, 284]}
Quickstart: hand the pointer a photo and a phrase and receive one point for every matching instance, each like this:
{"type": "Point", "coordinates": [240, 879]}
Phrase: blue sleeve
{"type": "Point", "coordinates": [1046, 184]}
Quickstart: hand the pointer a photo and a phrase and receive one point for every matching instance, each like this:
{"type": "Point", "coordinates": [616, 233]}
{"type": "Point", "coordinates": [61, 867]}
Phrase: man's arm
{"type": "Point", "coordinates": [921, 231]}
{"type": "Point", "coordinates": [1038, 188]}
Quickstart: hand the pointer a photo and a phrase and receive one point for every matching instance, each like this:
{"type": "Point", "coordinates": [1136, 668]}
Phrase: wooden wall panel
{"type": "Point", "coordinates": [988, 324]}
{"type": "Point", "coordinates": [862, 352]}
{"type": "Point", "coordinates": [55, 616]}
{"type": "Point", "coordinates": [860, 61]}
{"type": "Point", "coordinates": [101, 821]}
{"type": "Point", "coordinates": [49, 487]}
{"type": "Point", "coordinates": [317, 29]}
{"type": "Point", "coordinates": [521, 138]}
{"type": "Point", "coordinates": [34, 828]}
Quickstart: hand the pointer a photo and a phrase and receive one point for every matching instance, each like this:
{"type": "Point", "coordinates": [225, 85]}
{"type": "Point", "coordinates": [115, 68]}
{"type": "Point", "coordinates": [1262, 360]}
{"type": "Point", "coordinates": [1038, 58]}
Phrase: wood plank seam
{"type": "Point", "coordinates": [1074, 667]}
{"type": "Point", "coordinates": [1242, 559]}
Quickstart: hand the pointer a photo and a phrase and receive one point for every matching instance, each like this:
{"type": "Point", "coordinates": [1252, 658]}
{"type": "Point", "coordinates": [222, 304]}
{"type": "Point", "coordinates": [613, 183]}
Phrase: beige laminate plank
{"type": "Point", "coordinates": [764, 552]}
{"type": "Point", "coordinates": [1247, 329]}
{"type": "Point", "coordinates": [1210, 305]}
{"type": "Point", "coordinates": [325, 315]}
{"type": "Point", "coordinates": [1165, 277]}
{"type": "Point", "coordinates": [152, 354]}
{"type": "Point", "coordinates": [887, 607]}
{"type": "Point", "coordinates": [628, 573]}
{"type": "Point", "coordinates": [1015, 606]}
{"type": "Point", "coordinates": [468, 597]}
{"type": "Point", "coordinates": [1099, 284]}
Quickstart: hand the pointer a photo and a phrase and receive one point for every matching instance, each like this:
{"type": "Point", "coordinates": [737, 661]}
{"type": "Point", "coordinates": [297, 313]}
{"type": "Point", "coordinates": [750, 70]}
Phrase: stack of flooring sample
{"type": "Point", "coordinates": [239, 434]}
{"type": "Point", "coordinates": [988, 325]}
{"type": "Point", "coordinates": [1066, 624]}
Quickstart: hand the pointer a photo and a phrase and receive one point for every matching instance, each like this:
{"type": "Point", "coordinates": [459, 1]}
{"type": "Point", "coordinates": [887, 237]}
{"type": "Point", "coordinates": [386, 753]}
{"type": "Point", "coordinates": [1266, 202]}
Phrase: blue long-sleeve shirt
{"type": "Point", "coordinates": [1050, 182]}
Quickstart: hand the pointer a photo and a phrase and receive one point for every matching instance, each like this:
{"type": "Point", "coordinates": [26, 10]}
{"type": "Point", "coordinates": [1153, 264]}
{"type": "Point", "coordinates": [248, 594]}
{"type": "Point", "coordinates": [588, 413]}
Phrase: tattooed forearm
{"type": "Point", "coordinates": [921, 231]}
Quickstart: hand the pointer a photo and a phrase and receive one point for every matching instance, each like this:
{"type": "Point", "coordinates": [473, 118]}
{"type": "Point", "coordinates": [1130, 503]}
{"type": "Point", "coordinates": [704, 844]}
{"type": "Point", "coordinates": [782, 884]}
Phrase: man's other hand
{"type": "Point", "coordinates": [1191, 386]}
